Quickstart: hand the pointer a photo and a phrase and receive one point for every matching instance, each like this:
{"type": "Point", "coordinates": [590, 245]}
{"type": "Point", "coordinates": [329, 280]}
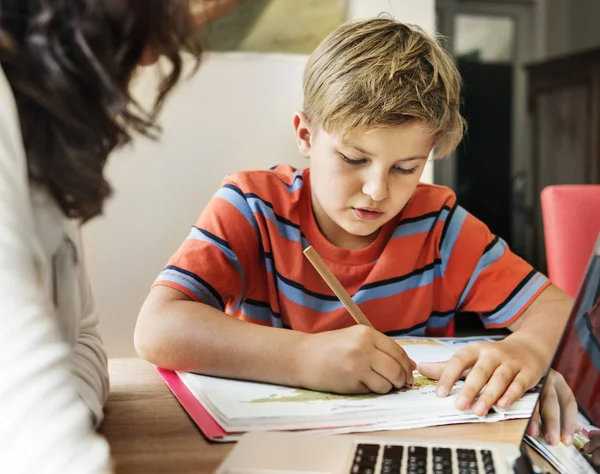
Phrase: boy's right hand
{"type": "Point", "coordinates": [358, 359]}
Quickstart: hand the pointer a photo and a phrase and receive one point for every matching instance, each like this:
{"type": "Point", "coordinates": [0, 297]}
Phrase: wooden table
{"type": "Point", "coordinates": [149, 432]}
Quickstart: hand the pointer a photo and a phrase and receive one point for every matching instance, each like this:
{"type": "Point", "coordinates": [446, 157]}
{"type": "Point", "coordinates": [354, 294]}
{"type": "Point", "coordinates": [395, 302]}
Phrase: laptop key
{"type": "Point", "coordinates": [392, 459]}
{"type": "Point", "coordinates": [442, 460]}
{"type": "Point", "coordinates": [393, 452]}
{"type": "Point", "coordinates": [365, 459]}
{"type": "Point", "coordinates": [467, 461]}
{"type": "Point", "coordinates": [367, 448]}
{"type": "Point", "coordinates": [488, 462]}
{"type": "Point", "coordinates": [417, 460]}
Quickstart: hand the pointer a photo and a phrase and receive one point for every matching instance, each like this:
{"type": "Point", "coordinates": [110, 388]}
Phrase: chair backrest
{"type": "Point", "coordinates": [571, 216]}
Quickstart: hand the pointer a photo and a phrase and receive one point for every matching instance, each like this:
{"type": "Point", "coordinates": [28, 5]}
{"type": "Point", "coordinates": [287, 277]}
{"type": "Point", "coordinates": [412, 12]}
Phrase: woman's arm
{"type": "Point", "coordinates": [46, 427]}
{"type": "Point", "coordinates": [88, 358]}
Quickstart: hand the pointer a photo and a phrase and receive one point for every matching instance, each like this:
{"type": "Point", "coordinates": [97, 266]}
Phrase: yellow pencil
{"type": "Point", "coordinates": [336, 286]}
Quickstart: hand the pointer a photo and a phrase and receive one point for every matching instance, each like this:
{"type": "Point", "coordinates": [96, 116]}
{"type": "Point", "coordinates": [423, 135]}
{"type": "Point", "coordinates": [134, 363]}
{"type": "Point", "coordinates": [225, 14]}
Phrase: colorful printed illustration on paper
{"type": "Point", "coordinates": [302, 396]}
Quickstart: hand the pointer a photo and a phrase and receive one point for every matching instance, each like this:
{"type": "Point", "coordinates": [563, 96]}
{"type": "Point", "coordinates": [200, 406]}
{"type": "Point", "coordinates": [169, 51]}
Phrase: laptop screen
{"type": "Point", "coordinates": [577, 357]}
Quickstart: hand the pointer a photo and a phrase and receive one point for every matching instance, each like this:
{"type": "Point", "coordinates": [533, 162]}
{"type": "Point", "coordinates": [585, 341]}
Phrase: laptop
{"type": "Point", "coordinates": [577, 357]}
{"type": "Point", "coordinates": [578, 354]}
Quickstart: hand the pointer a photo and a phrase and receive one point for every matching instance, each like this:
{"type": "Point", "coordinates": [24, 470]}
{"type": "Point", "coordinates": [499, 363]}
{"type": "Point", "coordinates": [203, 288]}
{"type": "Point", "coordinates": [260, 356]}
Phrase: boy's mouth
{"type": "Point", "coordinates": [367, 214]}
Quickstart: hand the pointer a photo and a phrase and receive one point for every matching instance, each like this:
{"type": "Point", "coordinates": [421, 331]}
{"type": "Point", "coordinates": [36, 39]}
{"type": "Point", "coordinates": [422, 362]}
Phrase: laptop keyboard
{"type": "Point", "coordinates": [401, 459]}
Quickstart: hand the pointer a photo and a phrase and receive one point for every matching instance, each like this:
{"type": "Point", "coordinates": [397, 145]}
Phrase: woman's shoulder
{"type": "Point", "coordinates": [27, 212]}
{"type": "Point", "coordinates": [13, 166]}
{"type": "Point", "coordinates": [11, 142]}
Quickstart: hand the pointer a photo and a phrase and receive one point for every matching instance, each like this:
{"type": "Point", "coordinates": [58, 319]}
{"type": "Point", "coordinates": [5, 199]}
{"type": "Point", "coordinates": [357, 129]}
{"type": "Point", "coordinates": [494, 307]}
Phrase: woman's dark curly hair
{"type": "Point", "coordinates": [69, 63]}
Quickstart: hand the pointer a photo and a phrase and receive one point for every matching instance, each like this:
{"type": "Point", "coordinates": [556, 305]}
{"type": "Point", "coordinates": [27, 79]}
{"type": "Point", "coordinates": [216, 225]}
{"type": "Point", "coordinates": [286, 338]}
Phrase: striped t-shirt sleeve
{"type": "Point", "coordinates": [483, 274]}
{"type": "Point", "coordinates": [213, 263]}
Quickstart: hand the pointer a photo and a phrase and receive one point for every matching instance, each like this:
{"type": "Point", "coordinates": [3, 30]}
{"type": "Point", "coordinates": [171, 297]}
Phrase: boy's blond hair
{"type": "Point", "coordinates": [380, 72]}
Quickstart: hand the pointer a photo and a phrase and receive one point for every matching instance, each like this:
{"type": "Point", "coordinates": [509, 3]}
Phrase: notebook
{"type": "Point", "coordinates": [306, 453]}
{"type": "Point", "coordinates": [225, 409]}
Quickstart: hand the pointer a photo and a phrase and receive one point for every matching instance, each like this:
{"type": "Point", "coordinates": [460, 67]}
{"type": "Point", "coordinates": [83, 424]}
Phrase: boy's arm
{"type": "Point", "coordinates": [541, 325]}
{"type": "Point", "coordinates": [174, 332]}
{"type": "Point", "coordinates": [177, 333]}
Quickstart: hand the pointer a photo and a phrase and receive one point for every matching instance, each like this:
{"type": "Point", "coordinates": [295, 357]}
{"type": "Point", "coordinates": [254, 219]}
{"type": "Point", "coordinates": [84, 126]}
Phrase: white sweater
{"type": "Point", "coordinates": [53, 376]}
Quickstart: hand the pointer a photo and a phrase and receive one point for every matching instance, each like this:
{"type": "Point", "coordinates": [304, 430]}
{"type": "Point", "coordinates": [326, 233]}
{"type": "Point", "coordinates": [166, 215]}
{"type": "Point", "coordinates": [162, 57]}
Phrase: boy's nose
{"type": "Point", "coordinates": [376, 188]}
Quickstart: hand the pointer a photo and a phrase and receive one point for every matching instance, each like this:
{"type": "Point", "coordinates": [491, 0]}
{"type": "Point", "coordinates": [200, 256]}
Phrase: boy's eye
{"type": "Point", "coordinates": [401, 170]}
{"type": "Point", "coordinates": [361, 161]}
{"type": "Point", "coordinates": [352, 161]}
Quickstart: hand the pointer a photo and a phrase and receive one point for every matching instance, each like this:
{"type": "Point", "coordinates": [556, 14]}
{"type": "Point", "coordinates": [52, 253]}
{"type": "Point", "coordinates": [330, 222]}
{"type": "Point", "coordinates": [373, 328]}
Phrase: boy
{"type": "Point", "coordinates": [381, 98]}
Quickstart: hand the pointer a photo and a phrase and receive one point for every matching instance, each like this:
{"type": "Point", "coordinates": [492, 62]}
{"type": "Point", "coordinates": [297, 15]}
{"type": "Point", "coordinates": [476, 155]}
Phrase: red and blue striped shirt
{"type": "Point", "coordinates": [431, 262]}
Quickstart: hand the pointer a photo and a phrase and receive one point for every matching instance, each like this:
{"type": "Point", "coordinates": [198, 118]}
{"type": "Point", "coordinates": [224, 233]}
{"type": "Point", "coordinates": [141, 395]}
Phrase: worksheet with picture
{"type": "Point", "coordinates": [240, 406]}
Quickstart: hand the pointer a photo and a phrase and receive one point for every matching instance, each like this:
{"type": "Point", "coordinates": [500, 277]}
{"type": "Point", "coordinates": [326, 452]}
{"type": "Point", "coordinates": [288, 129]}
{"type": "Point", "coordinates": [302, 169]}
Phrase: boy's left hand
{"type": "Point", "coordinates": [506, 368]}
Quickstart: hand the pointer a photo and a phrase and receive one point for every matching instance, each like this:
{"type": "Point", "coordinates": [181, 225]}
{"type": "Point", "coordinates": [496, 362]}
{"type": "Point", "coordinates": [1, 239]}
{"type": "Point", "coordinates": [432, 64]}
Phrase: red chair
{"type": "Point", "coordinates": [571, 216]}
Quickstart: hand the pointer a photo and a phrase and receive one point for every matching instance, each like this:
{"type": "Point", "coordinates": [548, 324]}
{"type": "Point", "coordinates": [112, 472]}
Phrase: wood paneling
{"type": "Point", "coordinates": [564, 103]}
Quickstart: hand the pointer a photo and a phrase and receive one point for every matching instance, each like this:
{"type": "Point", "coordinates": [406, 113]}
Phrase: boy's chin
{"type": "Point", "coordinates": [364, 228]}
{"type": "Point", "coordinates": [363, 231]}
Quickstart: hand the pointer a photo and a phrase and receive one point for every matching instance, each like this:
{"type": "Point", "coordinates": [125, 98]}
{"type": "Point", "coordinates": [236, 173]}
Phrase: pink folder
{"type": "Point", "coordinates": [207, 424]}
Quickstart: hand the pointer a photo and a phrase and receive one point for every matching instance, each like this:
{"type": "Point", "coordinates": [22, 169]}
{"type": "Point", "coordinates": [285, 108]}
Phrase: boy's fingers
{"type": "Point", "coordinates": [534, 424]}
{"type": "Point", "coordinates": [376, 383]}
{"type": "Point", "coordinates": [454, 368]}
{"type": "Point", "coordinates": [496, 387]}
{"type": "Point", "coordinates": [568, 412]}
{"type": "Point", "coordinates": [593, 448]}
{"type": "Point", "coordinates": [479, 376]}
{"type": "Point", "coordinates": [516, 389]}
{"type": "Point", "coordinates": [592, 445]}
{"type": "Point", "coordinates": [550, 411]}
{"type": "Point", "coordinates": [389, 369]}
{"type": "Point", "coordinates": [393, 350]}
{"type": "Point", "coordinates": [431, 370]}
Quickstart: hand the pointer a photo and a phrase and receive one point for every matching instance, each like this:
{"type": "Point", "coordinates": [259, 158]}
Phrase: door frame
{"type": "Point", "coordinates": [529, 45]}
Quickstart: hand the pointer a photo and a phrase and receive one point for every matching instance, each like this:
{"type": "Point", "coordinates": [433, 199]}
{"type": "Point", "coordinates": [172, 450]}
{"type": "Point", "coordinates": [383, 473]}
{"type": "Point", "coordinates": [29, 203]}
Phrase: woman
{"type": "Point", "coordinates": [65, 106]}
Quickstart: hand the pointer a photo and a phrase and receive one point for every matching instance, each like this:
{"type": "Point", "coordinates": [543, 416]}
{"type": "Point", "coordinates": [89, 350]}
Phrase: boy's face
{"type": "Point", "coordinates": [363, 181]}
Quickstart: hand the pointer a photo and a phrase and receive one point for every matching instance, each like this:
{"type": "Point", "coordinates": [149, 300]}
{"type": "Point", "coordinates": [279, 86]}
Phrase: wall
{"type": "Point", "coordinates": [235, 113]}
{"type": "Point", "coordinates": [570, 25]}
{"type": "Point", "coordinates": [584, 28]}
{"type": "Point", "coordinates": [554, 27]}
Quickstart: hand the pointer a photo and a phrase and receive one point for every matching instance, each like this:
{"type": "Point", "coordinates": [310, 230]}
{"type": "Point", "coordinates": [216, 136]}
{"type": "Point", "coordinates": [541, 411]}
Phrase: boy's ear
{"type": "Point", "coordinates": [303, 134]}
